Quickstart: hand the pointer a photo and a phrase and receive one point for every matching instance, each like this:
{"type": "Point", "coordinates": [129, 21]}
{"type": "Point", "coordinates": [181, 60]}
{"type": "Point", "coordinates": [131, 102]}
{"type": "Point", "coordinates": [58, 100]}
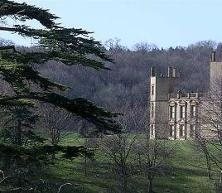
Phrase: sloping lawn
{"type": "Point", "coordinates": [188, 172]}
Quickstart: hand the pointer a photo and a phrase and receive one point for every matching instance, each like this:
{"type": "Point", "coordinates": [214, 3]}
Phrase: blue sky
{"type": "Point", "coordinates": [162, 22]}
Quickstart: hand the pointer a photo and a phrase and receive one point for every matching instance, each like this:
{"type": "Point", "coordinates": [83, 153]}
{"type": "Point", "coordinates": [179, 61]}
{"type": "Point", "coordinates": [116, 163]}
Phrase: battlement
{"type": "Point", "coordinates": [180, 95]}
{"type": "Point", "coordinates": [171, 73]}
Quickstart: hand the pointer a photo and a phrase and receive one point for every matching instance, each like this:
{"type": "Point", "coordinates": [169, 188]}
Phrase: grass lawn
{"type": "Point", "coordinates": [188, 174]}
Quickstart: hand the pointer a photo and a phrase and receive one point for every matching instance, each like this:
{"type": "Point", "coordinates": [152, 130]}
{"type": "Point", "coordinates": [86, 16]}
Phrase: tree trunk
{"type": "Point", "coordinates": [150, 188]}
{"type": "Point", "coordinates": [124, 179]}
{"type": "Point", "coordinates": [18, 134]}
{"type": "Point", "coordinates": [85, 165]}
{"type": "Point", "coordinates": [125, 184]}
{"type": "Point", "coordinates": [85, 156]}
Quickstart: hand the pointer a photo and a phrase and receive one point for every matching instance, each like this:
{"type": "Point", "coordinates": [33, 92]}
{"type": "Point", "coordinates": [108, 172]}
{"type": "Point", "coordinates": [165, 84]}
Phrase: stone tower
{"type": "Point", "coordinates": [215, 74]}
{"type": "Point", "coordinates": [160, 89]}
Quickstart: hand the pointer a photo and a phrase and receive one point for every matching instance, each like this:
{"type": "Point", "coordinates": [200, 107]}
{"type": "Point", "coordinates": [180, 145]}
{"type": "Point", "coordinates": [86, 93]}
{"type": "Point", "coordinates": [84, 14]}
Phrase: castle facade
{"type": "Point", "coordinates": [177, 116]}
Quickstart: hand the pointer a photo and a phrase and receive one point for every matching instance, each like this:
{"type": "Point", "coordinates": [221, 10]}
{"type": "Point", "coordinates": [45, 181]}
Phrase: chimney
{"type": "Point", "coordinates": [153, 73]}
{"type": "Point", "coordinates": [213, 56]}
{"type": "Point", "coordinates": [169, 73]}
{"type": "Point", "coordinates": [174, 73]}
{"type": "Point", "coordinates": [178, 94]}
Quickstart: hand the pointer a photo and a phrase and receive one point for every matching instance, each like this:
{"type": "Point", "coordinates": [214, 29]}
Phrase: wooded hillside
{"type": "Point", "coordinates": [125, 88]}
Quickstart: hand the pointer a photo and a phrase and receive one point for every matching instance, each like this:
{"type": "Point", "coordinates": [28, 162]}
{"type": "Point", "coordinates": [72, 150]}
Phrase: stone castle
{"type": "Point", "coordinates": [175, 116]}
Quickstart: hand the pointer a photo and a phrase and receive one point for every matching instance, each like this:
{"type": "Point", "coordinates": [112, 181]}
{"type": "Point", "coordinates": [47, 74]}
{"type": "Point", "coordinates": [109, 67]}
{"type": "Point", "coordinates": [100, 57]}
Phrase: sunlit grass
{"type": "Point", "coordinates": [188, 171]}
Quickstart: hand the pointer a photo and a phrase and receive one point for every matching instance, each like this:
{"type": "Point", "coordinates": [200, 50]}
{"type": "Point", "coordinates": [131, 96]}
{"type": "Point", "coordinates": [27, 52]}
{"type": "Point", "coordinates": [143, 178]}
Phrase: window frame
{"type": "Point", "coordinates": [172, 112]}
{"type": "Point", "coordinates": [192, 130]}
{"type": "Point", "coordinates": [193, 111]}
{"type": "Point", "coordinates": [152, 130]}
{"type": "Point", "coordinates": [152, 89]}
{"type": "Point", "coordinates": [182, 131]}
{"type": "Point", "coordinates": [182, 112]}
{"type": "Point", "coordinates": [172, 130]}
{"type": "Point", "coordinates": [152, 110]}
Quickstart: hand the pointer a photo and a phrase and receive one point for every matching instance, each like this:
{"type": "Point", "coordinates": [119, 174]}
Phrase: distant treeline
{"type": "Point", "coordinates": [125, 88]}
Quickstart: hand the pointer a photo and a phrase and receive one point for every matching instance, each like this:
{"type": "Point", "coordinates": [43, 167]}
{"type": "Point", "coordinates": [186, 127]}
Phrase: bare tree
{"type": "Point", "coordinates": [55, 121]}
{"type": "Point", "coordinates": [88, 132]}
{"type": "Point", "coordinates": [118, 149]}
{"type": "Point", "coordinates": [209, 136]}
{"type": "Point", "coordinates": [151, 159]}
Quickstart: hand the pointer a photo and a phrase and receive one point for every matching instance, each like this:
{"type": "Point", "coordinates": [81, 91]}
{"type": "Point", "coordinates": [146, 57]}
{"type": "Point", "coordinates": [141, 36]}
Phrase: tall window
{"type": "Point", "coordinates": [151, 129]}
{"type": "Point", "coordinates": [172, 112]}
{"type": "Point", "coordinates": [172, 130]}
{"type": "Point", "coordinates": [152, 89]}
{"type": "Point", "coordinates": [182, 130]}
{"type": "Point", "coordinates": [193, 111]}
{"type": "Point", "coordinates": [152, 110]}
{"type": "Point", "coordinates": [182, 112]}
{"type": "Point", "coordinates": [192, 130]}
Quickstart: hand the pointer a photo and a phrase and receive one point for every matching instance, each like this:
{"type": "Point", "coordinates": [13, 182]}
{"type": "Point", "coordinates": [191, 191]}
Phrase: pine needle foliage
{"type": "Point", "coordinates": [70, 46]}
{"type": "Point", "coordinates": [28, 87]}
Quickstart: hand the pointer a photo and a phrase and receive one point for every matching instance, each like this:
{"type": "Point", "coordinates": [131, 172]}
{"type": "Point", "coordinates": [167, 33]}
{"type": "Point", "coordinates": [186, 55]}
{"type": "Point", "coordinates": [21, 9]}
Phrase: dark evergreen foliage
{"type": "Point", "coordinates": [70, 46]}
{"type": "Point", "coordinates": [22, 150]}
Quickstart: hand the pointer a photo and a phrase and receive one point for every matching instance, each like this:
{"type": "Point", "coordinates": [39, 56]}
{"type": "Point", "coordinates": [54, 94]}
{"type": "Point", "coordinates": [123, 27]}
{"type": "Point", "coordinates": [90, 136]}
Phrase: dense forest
{"type": "Point", "coordinates": [125, 87]}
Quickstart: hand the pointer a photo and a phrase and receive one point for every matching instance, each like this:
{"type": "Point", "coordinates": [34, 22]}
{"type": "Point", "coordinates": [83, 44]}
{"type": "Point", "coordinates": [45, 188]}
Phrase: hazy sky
{"type": "Point", "coordinates": [162, 22]}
